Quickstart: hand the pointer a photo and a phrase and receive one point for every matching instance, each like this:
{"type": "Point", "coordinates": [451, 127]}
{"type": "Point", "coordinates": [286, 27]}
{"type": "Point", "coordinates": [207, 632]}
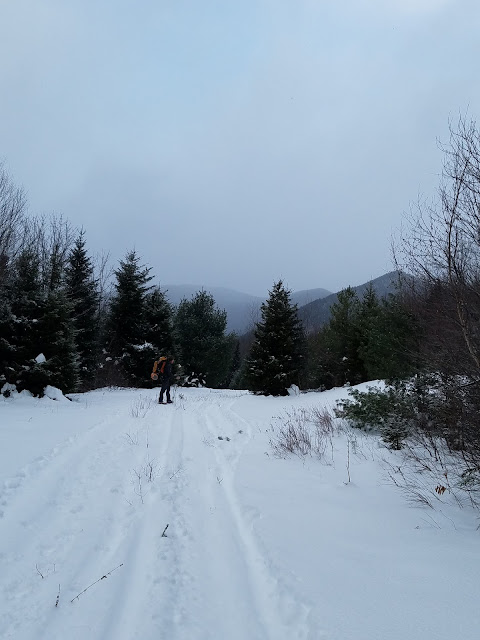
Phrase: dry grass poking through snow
{"type": "Point", "coordinates": [304, 432]}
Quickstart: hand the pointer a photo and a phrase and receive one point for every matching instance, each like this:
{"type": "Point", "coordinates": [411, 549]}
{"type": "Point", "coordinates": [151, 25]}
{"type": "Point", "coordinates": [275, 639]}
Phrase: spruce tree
{"type": "Point", "coordinates": [42, 326]}
{"type": "Point", "coordinates": [369, 312]}
{"type": "Point", "coordinates": [82, 291]}
{"type": "Point", "coordinates": [126, 325]}
{"type": "Point", "coordinates": [27, 305]}
{"type": "Point", "coordinates": [159, 322]}
{"type": "Point", "coordinates": [206, 350]}
{"type": "Point", "coordinates": [276, 358]}
{"type": "Point", "coordinates": [234, 373]}
{"type": "Point", "coordinates": [57, 343]}
{"type": "Point", "coordinates": [342, 340]}
{"type": "Point", "coordinates": [390, 345]}
{"type": "Point", "coordinates": [7, 328]}
{"type": "Point", "coordinates": [159, 339]}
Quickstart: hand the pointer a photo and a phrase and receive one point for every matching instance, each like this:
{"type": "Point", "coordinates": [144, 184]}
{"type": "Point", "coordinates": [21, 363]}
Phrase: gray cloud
{"type": "Point", "coordinates": [251, 142]}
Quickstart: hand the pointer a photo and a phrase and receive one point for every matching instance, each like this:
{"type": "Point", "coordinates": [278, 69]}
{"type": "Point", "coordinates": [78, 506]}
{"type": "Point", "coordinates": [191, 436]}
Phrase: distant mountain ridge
{"type": "Point", "coordinates": [243, 309]}
{"type": "Point", "coordinates": [317, 313]}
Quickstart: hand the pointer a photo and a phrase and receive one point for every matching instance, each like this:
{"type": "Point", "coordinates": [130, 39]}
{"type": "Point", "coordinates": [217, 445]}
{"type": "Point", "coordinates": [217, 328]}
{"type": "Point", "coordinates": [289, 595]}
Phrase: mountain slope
{"type": "Point", "coordinates": [242, 308]}
{"type": "Point", "coordinates": [317, 313]}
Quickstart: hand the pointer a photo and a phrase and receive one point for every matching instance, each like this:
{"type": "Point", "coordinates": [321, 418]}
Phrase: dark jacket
{"type": "Point", "coordinates": [167, 373]}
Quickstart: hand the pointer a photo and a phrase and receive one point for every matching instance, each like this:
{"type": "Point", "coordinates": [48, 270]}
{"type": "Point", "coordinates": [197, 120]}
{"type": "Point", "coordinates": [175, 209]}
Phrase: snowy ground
{"type": "Point", "coordinates": [256, 547]}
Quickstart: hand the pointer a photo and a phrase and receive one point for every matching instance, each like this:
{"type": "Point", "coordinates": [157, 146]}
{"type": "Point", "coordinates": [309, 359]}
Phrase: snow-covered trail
{"type": "Point", "coordinates": [99, 503]}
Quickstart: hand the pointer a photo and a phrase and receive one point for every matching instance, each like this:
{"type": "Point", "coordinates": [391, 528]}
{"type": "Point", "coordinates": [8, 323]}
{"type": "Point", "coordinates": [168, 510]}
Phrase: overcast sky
{"type": "Point", "coordinates": [235, 142]}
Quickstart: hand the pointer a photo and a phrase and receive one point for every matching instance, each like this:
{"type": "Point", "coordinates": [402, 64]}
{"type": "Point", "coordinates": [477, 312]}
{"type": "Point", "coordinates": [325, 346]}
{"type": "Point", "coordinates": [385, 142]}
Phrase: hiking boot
{"type": "Point", "coordinates": [169, 401]}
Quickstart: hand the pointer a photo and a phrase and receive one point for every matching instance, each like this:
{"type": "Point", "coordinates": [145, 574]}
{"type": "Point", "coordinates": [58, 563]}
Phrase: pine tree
{"type": "Point", "coordinates": [159, 322]}
{"type": "Point", "coordinates": [57, 343]}
{"type": "Point", "coordinates": [82, 291]}
{"type": "Point", "coordinates": [390, 342]}
{"type": "Point", "coordinates": [276, 358]}
{"type": "Point", "coordinates": [7, 328]}
{"type": "Point", "coordinates": [126, 326]}
{"type": "Point", "coordinates": [234, 373]}
{"type": "Point", "coordinates": [27, 305]}
{"type": "Point", "coordinates": [369, 311]}
{"type": "Point", "coordinates": [159, 339]}
{"type": "Point", "coordinates": [206, 350]}
{"type": "Point", "coordinates": [42, 326]}
{"type": "Point", "coordinates": [342, 340]}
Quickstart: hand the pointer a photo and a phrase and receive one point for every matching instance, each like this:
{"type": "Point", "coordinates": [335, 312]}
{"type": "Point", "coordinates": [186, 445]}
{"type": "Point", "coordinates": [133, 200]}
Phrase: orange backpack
{"type": "Point", "coordinates": [158, 367]}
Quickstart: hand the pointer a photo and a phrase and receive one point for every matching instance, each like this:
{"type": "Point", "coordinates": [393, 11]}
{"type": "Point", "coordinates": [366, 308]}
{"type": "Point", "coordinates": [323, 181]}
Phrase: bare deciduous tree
{"type": "Point", "coordinates": [13, 206]}
{"type": "Point", "coordinates": [440, 246]}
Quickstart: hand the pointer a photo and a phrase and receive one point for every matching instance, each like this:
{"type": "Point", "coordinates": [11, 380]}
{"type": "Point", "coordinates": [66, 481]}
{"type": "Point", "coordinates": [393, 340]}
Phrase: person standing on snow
{"type": "Point", "coordinates": [167, 381]}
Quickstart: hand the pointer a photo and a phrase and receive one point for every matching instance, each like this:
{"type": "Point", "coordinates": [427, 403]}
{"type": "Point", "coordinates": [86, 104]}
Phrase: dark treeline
{"type": "Point", "coordinates": [67, 321]}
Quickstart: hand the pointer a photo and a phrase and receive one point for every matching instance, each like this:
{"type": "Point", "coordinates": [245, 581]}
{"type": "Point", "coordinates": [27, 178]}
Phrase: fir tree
{"type": "Point", "coordinates": [276, 358]}
{"type": "Point", "coordinates": [42, 326]}
{"type": "Point", "coordinates": [341, 341]}
{"type": "Point", "coordinates": [390, 343]}
{"type": "Point", "coordinates": [57, 343]}
{"type": "Point", "coordinates": [206, 350]}
{"type": "Point", "coordinates": [234, 373]}
{"type": "Point", "coordinates": [27, 306]}
{"type": "Point", "coordinates": [159, 322]}
{"type": "Point", "coordinates": [82, 291]}
{"type": "Point", "coordinates": [368, 314]}
{"type": "Point", "coordinates": [126, 326]}
{"type": "Point", "coordinates": [7, 328]}
{"type": "Point", "coordinates": [159, 338]}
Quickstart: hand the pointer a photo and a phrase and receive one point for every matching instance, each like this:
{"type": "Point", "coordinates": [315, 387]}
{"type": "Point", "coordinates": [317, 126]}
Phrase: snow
{"type": "Point", "coordinates": [54, 394]}
{"type": "Point", "coordinates": [40, 359]}
{"type": "Point", "coordinates": [256, 547]}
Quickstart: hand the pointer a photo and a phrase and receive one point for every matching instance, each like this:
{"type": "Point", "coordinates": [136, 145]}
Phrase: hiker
{"type": "Point", "coordinates": [166, 381]}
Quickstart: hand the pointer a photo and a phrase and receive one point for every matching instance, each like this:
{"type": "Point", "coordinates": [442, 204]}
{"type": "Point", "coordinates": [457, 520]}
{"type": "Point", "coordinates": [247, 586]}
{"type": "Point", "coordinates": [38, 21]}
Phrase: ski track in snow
{"type": "Point", "coordinates": [80, 513]}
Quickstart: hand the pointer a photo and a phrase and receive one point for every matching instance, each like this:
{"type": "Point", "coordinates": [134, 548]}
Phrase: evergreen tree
{"type": "Point", "coordinates": [390, 344]}
{"type": "Point", "coordinates": [57, 343]}
{"type": "Point", "coordinates": [82, 291]}
{"type": "Point", "coordinates": [7, 328]}
{"type": "Point", "coordinates": [234, 373]}
{"type": "Point", "coordinates": [27, 305]}
{"type": "Point", "coordinates": [341, 362]}
{"type": "Point", "coordinates": [126, 325]}
{"type": "Point", "coordinates": [159, 322]}
{"type": "Point", "coordinates": [276, 358]}
{"type": "Point", "coordinates": [206, 350]}
{"type": "Point", "coordinates": [42, 326]}
{"type": "Point", "coordinates": [364, 340]}
{"type": "Point", "coordinates": [368, 314]}
{"type": "Point", "coordinates": [159, 339]}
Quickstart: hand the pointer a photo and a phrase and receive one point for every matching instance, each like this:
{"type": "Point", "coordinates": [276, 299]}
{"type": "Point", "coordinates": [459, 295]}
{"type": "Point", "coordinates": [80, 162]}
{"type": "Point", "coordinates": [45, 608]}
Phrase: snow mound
{"type": "Point", "coordinates": [8, 389]}
{"type": "Point", "coordinates": [53, 393]}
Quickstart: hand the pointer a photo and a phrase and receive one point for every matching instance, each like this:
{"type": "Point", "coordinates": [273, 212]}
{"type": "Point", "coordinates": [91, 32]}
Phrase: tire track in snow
{"type": "Point", "coordinates": [224, 588]}
{"type": "Point", "coordinates": [284, 616]}
{"type": "Point", "coordinates": [69, 529]}
{"type": "Point", "coordinates": [207, 579]}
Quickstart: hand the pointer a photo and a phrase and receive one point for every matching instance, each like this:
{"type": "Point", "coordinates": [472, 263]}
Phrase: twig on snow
{"type": "Point", "coordinates": [58, 596]}
{"type": "Point", "coordinates": [164, 535]}
{"type": "Point", "coordinates": [93, 583]}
